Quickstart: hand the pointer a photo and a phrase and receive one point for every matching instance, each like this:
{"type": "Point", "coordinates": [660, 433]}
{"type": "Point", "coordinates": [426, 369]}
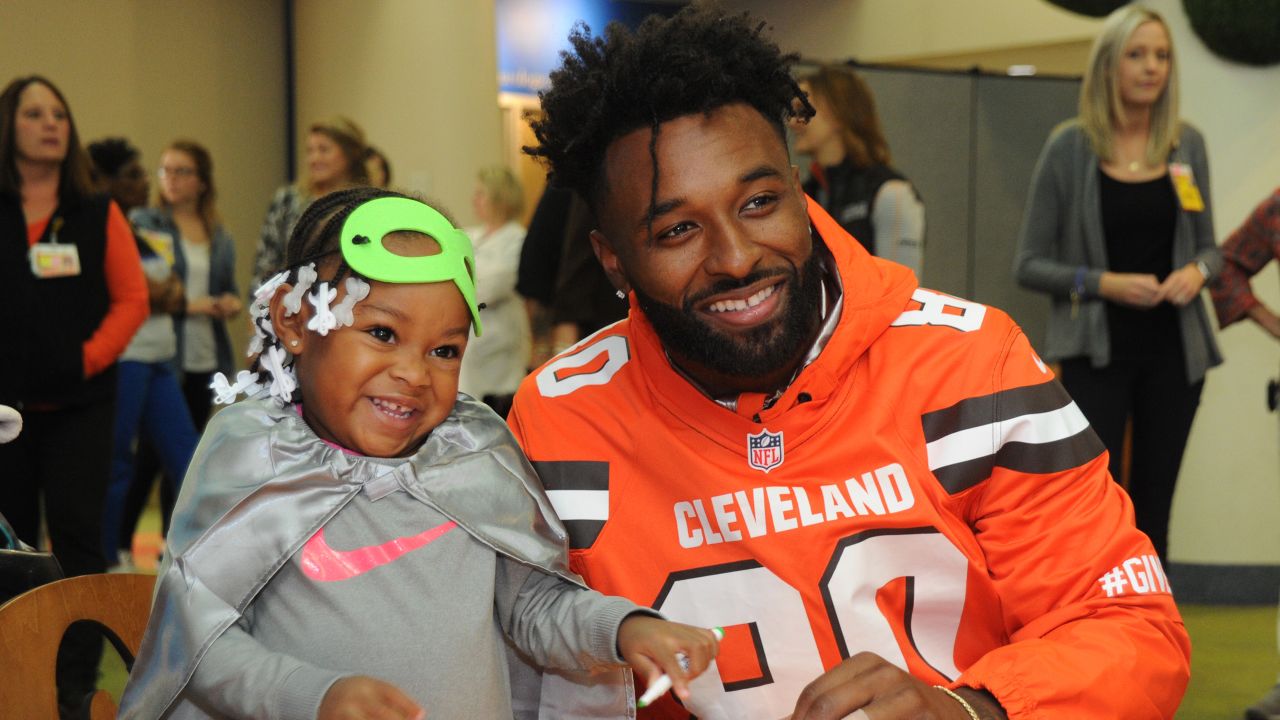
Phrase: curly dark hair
{"type": "Point", "coordinates": [110, 155]}
{"type": "Point", "coordinates": [698, 60]}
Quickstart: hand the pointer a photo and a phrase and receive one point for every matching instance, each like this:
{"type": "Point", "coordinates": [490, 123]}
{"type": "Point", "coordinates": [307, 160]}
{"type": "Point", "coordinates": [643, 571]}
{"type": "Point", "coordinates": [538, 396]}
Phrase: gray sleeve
{"type": "Point", "coordinates": [1207, 250]}
{"type": "Point", "coordinates": [239, 678]}
{"type": "Point", "coordinates": [898, 219]}
{"type": "Point", "coordinates": [1036, 264]}
{"type": "Point", "coordinates": [556, 623]}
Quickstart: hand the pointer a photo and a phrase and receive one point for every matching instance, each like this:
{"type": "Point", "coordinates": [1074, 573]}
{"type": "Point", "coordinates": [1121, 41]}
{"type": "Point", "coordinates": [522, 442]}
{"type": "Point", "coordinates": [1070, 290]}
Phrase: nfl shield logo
{"type": "Point", "coordinates": [764, 450]}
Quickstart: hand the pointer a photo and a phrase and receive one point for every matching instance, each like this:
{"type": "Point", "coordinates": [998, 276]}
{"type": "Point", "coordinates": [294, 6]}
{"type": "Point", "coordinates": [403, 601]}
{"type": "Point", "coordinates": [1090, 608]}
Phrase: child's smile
{"type": "Point", "coordinates": [381, 385]}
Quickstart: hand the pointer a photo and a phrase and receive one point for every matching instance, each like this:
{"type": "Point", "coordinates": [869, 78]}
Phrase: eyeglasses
{"type": "Point", "coordinates": [175, 172]}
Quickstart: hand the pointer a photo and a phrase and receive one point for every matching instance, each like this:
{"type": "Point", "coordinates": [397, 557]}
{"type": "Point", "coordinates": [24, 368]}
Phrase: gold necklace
{"type": "Point", "coordinates": [1133, 166]}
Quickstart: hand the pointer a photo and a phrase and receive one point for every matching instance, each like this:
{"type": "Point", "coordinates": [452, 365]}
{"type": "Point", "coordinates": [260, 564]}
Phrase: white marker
{"type": "Point", "coordinates": [663, 683]}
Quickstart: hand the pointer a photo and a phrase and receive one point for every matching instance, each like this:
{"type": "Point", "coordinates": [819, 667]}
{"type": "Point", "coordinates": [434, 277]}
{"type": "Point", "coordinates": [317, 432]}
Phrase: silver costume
{"type": "Point", "coordinates": [262, 483]}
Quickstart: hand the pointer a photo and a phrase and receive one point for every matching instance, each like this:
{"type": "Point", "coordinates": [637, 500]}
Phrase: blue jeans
{"type": "Point", "coordinates": [151, 402]}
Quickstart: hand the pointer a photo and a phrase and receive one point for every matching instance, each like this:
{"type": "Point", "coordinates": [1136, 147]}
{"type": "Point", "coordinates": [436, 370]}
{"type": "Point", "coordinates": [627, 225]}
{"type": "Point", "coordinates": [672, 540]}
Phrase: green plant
{"type": "Point", "coordinates": [1093, 8]}
{"type": "Point", "coordinates": [1246, 31]}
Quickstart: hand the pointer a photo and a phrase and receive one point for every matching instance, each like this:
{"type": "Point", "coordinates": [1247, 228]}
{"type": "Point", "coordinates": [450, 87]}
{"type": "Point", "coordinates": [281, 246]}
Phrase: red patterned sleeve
{"type": "Point", "coordinates": [1247, 251]}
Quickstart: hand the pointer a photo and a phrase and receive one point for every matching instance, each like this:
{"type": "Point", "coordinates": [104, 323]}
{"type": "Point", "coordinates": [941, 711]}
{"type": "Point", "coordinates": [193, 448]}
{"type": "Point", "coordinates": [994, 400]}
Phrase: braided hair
{"type": "Point", "coordinates": [694, 62]}
{"type": "Point", "coordinates": [316, 236]}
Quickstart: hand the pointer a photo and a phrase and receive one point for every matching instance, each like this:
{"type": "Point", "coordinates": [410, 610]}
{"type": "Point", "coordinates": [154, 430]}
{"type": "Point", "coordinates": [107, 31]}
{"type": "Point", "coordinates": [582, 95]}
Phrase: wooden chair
{"type": "Point", "coordinates": [31, 629]}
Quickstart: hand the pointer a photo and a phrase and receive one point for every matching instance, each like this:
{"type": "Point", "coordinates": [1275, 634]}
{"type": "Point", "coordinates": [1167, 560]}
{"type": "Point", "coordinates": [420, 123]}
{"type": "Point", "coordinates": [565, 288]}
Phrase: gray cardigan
{"type": "Point", "coordinates": [1062, 233]}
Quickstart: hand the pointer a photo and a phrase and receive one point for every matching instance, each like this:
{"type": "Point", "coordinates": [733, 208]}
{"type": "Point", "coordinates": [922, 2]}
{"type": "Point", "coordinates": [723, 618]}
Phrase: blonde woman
{"type": "Point", "coordinates": [335, 155]}
{"type": "Point", "coordinates": [496, 362]}
{"type": "Point", "coordinates": [1118, 232]}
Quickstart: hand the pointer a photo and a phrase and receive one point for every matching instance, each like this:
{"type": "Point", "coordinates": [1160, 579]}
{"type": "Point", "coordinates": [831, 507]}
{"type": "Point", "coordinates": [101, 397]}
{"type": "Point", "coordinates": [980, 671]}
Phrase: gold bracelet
{"type": "Point", "coordinates": [973, 714]}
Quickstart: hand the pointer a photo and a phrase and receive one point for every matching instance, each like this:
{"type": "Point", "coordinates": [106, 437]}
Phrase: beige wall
{"type": "Point", "coordinates": [156, 70]}
{"type": "Point", "coordinates": [419, 77]}
{"type": "Point", "coordinates": [883, 31]}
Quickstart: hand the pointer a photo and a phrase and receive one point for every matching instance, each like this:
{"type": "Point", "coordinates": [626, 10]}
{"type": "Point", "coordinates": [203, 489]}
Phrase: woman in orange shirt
{"type": "Point", "coordinates": [74, 296]}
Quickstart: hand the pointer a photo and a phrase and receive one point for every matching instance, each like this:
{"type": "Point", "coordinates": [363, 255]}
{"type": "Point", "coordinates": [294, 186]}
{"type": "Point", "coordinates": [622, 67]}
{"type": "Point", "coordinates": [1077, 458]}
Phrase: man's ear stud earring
{"type": "Point", "coordinates": [293, 343]}
{"type": "Point", "coordinates": [621, 295]}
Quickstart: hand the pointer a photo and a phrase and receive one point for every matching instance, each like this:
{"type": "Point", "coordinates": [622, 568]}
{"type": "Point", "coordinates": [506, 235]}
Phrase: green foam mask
{"type": "Point", "coordinates": [368, 224]}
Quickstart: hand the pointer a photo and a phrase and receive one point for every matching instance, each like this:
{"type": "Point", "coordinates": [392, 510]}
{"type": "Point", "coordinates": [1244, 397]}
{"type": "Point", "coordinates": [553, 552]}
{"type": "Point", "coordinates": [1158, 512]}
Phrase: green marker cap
{"type": "Point", "coordinates": [368, 224]}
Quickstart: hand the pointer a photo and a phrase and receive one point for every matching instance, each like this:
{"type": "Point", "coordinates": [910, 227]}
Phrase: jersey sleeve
{"type": "Point", "coordinates": [1092, 624]}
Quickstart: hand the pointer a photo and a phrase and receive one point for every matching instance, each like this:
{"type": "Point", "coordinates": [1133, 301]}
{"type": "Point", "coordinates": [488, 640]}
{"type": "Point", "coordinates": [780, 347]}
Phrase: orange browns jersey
{"type": "Point", "coordinates": [924, 490]}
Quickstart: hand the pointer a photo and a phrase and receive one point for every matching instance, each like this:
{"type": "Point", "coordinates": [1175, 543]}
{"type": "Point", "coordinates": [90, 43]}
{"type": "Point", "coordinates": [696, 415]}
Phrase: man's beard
{"type": "Point", "coordinates": [760, 351]}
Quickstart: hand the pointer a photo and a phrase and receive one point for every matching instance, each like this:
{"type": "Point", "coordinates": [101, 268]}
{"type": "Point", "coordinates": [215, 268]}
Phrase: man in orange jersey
{"type": "Point", "coordinates": [879, 491]}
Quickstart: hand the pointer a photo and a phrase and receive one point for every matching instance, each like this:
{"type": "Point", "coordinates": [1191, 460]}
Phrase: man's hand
{"type": "Point", "coordinates": [649, 645]}
{"type": "Point", "coordinates": [366, 698]}
{"type": "Point", "coordinates": [1182, 286]}
{"type": "Point", "coordinates": [1133, 289]}
{"type": "Point", "coordinates": [868, 686]}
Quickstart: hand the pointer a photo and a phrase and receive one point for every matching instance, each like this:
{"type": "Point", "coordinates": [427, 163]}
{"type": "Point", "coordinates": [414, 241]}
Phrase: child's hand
{"type": "Point", "coordinates": [650, 645]}
{"type": "Point", "coordinates": [366, 698]}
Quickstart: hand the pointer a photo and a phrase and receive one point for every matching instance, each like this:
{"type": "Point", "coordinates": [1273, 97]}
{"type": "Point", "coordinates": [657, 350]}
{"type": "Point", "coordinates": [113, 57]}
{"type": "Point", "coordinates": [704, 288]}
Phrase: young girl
{"type": "Point", "coordinates": [356, 539]}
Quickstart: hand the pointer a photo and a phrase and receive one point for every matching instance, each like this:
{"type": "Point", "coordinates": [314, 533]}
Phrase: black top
{"type": "Point", "coordinates": [47, 321]}
{"type": "Point", "coordinates": [848, 193]}
{"type": "Point", "coordinates": [1138, 222]}
{"type": "Point", "coordinates": [559, 268]}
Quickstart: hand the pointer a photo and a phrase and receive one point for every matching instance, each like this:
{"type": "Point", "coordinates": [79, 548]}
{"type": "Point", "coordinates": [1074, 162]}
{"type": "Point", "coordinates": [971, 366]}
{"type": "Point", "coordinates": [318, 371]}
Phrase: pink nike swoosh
{"type": "Point", "coordinates": [324, 564]}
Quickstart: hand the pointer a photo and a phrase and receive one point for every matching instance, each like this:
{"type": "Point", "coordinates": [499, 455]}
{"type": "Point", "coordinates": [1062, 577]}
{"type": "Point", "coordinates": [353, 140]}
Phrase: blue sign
{"type": "Point", "coordinates": [531, 34]}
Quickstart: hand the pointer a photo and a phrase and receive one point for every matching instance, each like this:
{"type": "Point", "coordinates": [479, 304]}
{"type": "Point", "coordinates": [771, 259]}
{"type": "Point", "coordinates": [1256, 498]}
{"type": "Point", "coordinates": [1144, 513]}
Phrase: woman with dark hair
{"type": "Point", "coordinates": [205, 260]}
{"type": "Point", "coordinates": [1118, 231]}
{"type": "Point", "coordinates": [851, 175]}
{"type": "Point", "coordinates": [150, 410]}
{"type": "Point", "coordinates": [74, 296]}
{"type": "Point", "coordinates": [335, 153]}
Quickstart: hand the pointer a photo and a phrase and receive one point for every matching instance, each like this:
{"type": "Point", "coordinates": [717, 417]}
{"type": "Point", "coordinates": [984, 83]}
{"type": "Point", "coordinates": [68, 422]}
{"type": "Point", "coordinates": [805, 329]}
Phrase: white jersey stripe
{"type": "Point", "coordinates": [580, 504]}
{"type": "Point", "coordinates": [986, 440]}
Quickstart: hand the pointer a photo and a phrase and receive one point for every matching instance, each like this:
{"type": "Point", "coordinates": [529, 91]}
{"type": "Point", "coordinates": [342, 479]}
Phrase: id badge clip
{"type": "Point", "coordinates": [1184, 185]}
{"type": "Point", "coordinates": [54, 260]}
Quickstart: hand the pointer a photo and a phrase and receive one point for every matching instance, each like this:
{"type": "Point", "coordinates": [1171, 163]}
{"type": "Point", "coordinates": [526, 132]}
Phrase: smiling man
{"type": "Point", "coordinates": [879, 491]}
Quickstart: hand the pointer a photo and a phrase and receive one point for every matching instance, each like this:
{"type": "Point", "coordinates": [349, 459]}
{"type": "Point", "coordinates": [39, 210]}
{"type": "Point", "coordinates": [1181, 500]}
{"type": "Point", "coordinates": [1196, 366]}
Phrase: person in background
{"type": "Point", "coordinates": [150, 407]}
{"type": "Point", "coordinates": [74, 296]}
{"type": "Point", "coordinates": [851, 175]}
{"type": "Point", "coordinates": [1245, 253]}
{"type": "Point", "coordinates": [377, 167]}
{"type": "Point", "coordinates": [205, 260]}
{"type": "Point", "coordinates": [335, 156]}
{"type": "Point", "coordinates": [497, 361]}
{"type": "Point", "coordinates": [566, 292]}
{"type": "Point", "coordinates": [1118, 231]}
{"type": "Point", "coordinates": [1249, 249]}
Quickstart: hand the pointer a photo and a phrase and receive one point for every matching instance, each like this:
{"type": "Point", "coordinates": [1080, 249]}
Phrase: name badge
{"type": "Point", "coordinates": [1184, 184]}
{"type": "Point", "coordinates": [54, 260]}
